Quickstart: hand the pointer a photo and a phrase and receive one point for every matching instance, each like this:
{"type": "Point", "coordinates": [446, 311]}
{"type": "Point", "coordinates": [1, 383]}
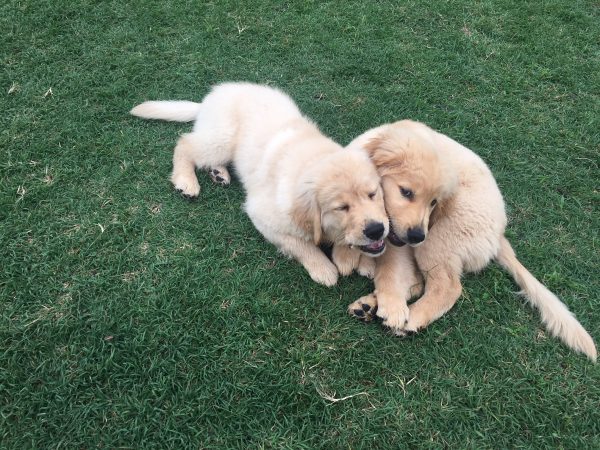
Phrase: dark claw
{"type": "Point", "coordinates": [366, 307]}
{"type": "Point", "coordinates": [359, 313]}
{"type": "Point", "coordinates": [410, 333]}
{"type": "Point", "coordinates": [186, 196]}
{"type": "Point", "coordinates": [219, 179]}
{"type": "Point", "coordinates": [374, 310]}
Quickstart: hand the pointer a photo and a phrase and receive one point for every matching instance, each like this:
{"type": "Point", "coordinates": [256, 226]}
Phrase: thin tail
{"type": "Point", "coordinates": [177, 111]}
{"type": "Point", "coordinates": [557, 318]}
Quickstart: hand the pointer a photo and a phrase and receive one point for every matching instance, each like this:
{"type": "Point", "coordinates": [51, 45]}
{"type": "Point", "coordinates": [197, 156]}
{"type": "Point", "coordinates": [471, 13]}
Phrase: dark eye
{"type": "Point", "coordinates": [407, 193]}
{"type": "Point", "coordinates": [433, 202]}
{"type": "Point", "coordinates": [372, 195]}
{"type": "Point", "coordinates": [343, 208]}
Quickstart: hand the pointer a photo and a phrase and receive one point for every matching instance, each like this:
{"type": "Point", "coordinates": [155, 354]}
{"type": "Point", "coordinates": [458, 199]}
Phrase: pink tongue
{"type": "Point", "coordinates": [375, 245]}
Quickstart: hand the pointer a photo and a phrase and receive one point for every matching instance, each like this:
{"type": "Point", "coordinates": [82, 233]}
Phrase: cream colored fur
{"type": "Point", "coordinates": [464, 231]}
{"type": "Point", "coordinates": [301, 187]}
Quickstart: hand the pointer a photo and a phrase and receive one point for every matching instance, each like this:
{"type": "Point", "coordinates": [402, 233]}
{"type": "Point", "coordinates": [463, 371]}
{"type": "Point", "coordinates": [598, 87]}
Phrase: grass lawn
{"type": "Point", "coordinates": [131, 318]}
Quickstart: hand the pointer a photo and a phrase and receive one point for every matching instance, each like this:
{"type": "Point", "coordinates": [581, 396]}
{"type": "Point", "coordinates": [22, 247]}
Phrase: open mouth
{"type": "Point", "coordinates": [394, 239]}
{"type": "Point", "coordinates": [374, 248]}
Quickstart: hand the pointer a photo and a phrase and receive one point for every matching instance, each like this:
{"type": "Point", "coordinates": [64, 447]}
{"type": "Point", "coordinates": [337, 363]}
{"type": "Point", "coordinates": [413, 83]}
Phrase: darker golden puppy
{"type": "Point", "coordinates": [444, 203]}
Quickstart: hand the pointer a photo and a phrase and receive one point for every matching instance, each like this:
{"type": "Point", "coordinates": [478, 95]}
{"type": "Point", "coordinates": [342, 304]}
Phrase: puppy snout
{"type": "Point", "coordinates": [415, 235]}
{"type": "Point", "coordinates": [374, 230]}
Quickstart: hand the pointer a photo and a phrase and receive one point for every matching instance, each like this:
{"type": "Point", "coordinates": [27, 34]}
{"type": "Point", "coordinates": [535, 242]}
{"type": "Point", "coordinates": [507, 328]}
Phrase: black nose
{"type": "Point", "coordinates": [415, 235]}
{"type": "Point", "coordinates": [374, 230]}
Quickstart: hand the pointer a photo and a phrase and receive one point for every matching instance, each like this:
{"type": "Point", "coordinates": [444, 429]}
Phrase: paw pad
{"type": "Point", "coordinates": [365, 313]}
{"type": "Point", "coordinates": [359, 312]}
{"type": "Point", "coordinates": [219, 177]}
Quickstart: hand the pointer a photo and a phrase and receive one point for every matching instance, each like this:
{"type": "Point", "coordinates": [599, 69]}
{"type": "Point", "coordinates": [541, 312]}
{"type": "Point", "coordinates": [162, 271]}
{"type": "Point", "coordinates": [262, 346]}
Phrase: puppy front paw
{"type": "Point", "coordinates": [364, 308]}
{"type": "Point", "coordinates": [417, 320]}
{"type": "Point", "coordinates": [394, 312]}
{"type": "Point", "coordinates": [325, 273]}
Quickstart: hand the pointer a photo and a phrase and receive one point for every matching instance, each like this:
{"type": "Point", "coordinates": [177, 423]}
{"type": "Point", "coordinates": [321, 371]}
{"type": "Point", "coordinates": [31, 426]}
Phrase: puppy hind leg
{"type": "Point", "coordinates": [204, 150]}
{"type": "Point", "coordinates": [183, 175]}
{"type": "Point", "coordinates": [210, 149]}
{"type": "Point", "coordinates": [220, 175]}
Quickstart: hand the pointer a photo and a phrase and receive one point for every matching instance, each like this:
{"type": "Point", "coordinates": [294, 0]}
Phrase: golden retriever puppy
{"type": "Point", "coordinates": [301, 187]}
{"type": "Point", "coordinates": [444, 203]}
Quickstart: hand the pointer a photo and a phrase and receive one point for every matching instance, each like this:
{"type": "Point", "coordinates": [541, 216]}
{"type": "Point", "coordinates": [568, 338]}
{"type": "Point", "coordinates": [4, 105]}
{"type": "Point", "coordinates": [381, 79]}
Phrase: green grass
{"type": "Point", "coordinates": [131, 318]}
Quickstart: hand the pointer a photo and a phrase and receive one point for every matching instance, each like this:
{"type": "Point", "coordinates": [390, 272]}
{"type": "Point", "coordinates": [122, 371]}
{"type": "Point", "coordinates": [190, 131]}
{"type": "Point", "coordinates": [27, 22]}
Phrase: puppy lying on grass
{"type": "Point", "coordinates": [301, 187]}
{"type": "Point", "coordinates": [443, 201]}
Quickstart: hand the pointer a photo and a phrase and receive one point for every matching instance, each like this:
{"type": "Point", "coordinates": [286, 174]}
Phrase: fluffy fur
{"type": "Point", "coordinates": [443, 201]}
{"type": "Point", "coordinates": [301, 187]}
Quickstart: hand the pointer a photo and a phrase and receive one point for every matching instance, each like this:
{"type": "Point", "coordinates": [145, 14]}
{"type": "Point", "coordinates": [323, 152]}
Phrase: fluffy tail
{"type": "Point", "coordinates": [559, 321]}
{"type": "Point", "coordinates": [177, 111]}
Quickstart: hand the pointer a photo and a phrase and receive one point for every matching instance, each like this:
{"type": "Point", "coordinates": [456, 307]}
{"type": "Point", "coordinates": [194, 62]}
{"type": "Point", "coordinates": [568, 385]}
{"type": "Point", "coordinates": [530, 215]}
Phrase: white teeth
{"type": "Point", "coordinates": [375, 245]}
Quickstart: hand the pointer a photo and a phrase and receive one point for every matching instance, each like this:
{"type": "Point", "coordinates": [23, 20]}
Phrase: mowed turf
{"type": "Point", "coordinates": [131, 318]}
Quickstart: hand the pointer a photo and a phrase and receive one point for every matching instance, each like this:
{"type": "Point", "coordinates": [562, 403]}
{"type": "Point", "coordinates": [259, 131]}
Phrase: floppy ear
{"type": "Point", "coordinates": [445, 205]}
{"type": "Point", "coordinates": [386, 152]}
{"type": "Point", "coordinates": [307, 214]}
{"type": "Point", "coordinates": [436, 214]}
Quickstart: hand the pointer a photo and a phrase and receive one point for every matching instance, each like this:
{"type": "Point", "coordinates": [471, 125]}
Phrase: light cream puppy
{"type": "Point", "coordinates": [443, 201]}
{"type": "Point", "coordinates": [301, 187]}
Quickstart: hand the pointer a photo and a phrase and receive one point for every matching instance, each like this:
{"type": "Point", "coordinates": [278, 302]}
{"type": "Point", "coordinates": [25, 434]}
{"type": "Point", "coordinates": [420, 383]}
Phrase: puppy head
{"type": "Point", "coordinates": [417, 179]}
{"type": "Point", "coordinates": [341, 201]}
